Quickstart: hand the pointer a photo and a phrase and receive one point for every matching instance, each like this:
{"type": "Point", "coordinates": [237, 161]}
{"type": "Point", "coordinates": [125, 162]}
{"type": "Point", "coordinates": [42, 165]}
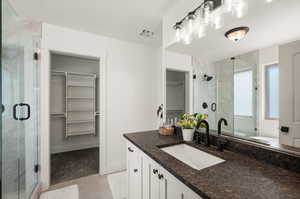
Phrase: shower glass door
{"type": "Point", "coordinates": [245, 95]}
{"type": "Point", "coordinates": [19, 100]}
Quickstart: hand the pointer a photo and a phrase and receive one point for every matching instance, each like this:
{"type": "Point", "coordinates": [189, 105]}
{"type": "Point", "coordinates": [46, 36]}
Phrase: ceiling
{"type": "Point", "coordinates": [121, 19]}
{"type": "Point", "coordinates": [270, 24]}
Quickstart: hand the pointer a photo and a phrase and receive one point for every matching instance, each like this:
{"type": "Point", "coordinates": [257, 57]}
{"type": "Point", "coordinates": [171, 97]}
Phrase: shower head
{"type": "Point", "coordinates": [207, 78]}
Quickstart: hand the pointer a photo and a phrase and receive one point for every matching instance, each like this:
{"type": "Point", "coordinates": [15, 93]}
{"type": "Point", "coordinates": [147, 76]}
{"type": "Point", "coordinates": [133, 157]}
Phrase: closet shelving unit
{"type": "Point", "coordinates": [79, 108]}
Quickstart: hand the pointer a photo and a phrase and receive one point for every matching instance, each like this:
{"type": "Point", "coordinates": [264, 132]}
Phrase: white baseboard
{"type": "Point", "coordinates": [66, 148]}
{"type": "Point", "coordinates": [115, 169]}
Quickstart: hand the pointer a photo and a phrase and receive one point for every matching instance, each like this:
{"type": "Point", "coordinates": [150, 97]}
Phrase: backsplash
{"type": "Point", "coordinates": [262, 153]}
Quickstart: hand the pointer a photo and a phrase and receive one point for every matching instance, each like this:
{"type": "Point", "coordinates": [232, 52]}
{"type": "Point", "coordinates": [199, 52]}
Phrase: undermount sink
{"type": "Point", "coordinates": [191, 156]}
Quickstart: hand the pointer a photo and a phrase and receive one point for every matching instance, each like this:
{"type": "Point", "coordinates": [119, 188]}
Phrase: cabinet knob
{"type": "Point", "coordinates": [155, 171]}
{"type": "Point", "coordinates": [130, 150]}
{"type": "Point", "coordinates": [135, 170]}
{"type": "Point", "coordinates": [160, 176]}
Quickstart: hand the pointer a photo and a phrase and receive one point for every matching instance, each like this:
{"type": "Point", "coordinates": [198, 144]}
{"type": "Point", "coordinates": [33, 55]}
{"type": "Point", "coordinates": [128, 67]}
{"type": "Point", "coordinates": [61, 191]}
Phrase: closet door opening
{"type": "Point", "coordinates": [74, 121]}
{"type": "Point", "coordinates": [176, 95]}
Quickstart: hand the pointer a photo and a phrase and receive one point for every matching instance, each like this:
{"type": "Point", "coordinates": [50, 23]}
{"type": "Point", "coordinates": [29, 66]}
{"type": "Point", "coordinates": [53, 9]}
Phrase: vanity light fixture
{"type": "Point", "coordinates": [269, 1]}
{"type": "Point", "coordinates": [210, 13]}
{"type": "Point", "coordinates": [237, 34]}
{"type": "Point", "coordinates": [178, 29]}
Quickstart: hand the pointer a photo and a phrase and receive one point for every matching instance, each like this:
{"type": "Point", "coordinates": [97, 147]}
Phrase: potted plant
{"type": "Point", "coordinates": [200, 117]}
{"type": "Point", "coordinates": [188, 123]}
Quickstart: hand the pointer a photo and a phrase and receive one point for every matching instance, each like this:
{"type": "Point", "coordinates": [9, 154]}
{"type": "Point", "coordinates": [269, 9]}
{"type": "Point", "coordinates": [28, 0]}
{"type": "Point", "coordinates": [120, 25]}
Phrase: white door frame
{"type": "Point", "coordinates": [188, 87]}
{"type": "Point", "coordinates": [45, 109]}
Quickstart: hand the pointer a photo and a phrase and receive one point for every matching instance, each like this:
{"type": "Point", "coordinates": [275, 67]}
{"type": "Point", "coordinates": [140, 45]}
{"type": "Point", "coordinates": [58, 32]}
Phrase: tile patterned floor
{"type": "Point", "coordinates": [74, 164]}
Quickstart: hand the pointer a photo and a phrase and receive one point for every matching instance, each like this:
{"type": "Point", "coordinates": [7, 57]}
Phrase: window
{"type": "Point", "coordinates": [272, 92]}
{"type": "Point", "coordinates": [243, 92]}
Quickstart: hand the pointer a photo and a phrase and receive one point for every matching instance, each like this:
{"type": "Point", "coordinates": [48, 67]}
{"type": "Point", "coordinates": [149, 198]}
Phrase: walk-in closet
{"type": "Point", "coordinates": [175, 95]}
{"type": "Point", "coordinates": [74, 141]}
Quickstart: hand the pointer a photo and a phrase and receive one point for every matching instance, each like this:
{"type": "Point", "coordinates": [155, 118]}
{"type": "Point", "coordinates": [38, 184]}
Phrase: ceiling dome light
{"type": "Point", "coordinates": [237, 34]}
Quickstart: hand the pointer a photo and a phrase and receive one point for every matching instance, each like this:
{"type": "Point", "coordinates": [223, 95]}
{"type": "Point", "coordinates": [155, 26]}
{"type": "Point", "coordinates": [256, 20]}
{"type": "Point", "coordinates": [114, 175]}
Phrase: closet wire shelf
{"type": "Point", "coordinates": [80, 103]}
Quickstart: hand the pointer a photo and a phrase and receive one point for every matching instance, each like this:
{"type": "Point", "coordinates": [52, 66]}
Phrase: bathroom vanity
{"type": "Point", "coordinates": [148, 179]}
{"type": "Point", "coordinates": [164, 167]}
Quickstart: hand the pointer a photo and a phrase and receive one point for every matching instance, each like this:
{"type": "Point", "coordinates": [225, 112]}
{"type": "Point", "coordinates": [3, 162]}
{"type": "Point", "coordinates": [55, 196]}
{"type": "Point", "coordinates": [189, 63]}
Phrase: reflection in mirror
{"type": "Point", "coordinates": [234, 89]}
{"type": "Point", "coordinates": [254, 81]}
{"type": "Point", "coordinates": [175, 96]}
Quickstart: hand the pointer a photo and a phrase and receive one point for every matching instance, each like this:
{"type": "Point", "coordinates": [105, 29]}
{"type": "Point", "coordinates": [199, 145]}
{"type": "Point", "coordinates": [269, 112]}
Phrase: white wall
{"type": "Point", "coordinates": [133, 73]}
{"type": "Point", "coordinates": [267, 56]}
{"type": "Point", "coordinates": [178, 62]}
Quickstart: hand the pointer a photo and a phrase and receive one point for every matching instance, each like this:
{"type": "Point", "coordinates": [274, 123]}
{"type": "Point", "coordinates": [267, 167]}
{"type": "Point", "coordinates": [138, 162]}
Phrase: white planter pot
{"type": "Point", "coordinates": [188, 134]}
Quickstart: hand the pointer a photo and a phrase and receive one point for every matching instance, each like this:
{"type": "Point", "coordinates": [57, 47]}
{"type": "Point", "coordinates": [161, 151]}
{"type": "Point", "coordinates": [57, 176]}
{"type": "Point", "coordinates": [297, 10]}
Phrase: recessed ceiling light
{"type": "Point", "coordinates": [146, 33]}
{"type": "Point", "coordinates": [237, 34]}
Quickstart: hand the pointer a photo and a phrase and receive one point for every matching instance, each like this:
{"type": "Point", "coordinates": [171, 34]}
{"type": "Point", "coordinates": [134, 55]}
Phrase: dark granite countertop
{"type": "Point", "coordinates": [238, 177]}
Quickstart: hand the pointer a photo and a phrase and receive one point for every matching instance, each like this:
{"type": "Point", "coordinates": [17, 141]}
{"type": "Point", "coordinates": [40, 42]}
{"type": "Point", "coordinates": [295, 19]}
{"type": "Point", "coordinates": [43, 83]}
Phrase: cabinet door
{"type": "Point", "coordinates": [148, 180]}
{"type": "Point", "coordinates": [289, 65]}
{"type": "Point", "coordinates": [173, 188]}
{"type": "Point", "coordinates": [134, 173]}
{"type": "Point", "coordinates": [162, 185]}
{"type": "Point", "coordinates": [146, 175]}
{"type": "Point", "coordinates": [189, 194]}
{"type": "Point", "coordinates": [154, 181]}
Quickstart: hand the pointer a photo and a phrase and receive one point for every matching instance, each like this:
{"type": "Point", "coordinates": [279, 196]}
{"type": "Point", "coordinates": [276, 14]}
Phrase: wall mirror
{"type": "Point", "coordinates": [247, 80]}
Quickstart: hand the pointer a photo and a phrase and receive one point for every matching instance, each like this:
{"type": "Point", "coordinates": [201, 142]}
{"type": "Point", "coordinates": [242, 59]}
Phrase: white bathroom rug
{"type": "Point", "coordinates": [70, 192]}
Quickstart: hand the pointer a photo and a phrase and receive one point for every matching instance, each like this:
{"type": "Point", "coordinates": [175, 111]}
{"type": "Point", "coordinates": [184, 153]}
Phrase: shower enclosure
{"type": "Point", "coordinates": [230, 93]}
{"type": "Point", "coordinates": [19, 105]}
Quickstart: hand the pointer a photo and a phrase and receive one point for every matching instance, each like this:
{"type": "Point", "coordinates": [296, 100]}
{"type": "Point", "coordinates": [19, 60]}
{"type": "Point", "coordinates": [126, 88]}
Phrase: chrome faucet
{"type": "Point", "coordinates": [207, 140]}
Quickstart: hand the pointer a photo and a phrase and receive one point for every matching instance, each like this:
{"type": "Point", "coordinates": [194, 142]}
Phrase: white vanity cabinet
{"type": "Point", "coordinates": [153, 182]}
{"type": "Point", "coordinates": [134, 172]}
{"type": "Point", "coordinates": [152, 186]}
{"type": "Point", "coordinates": [176, 189]}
